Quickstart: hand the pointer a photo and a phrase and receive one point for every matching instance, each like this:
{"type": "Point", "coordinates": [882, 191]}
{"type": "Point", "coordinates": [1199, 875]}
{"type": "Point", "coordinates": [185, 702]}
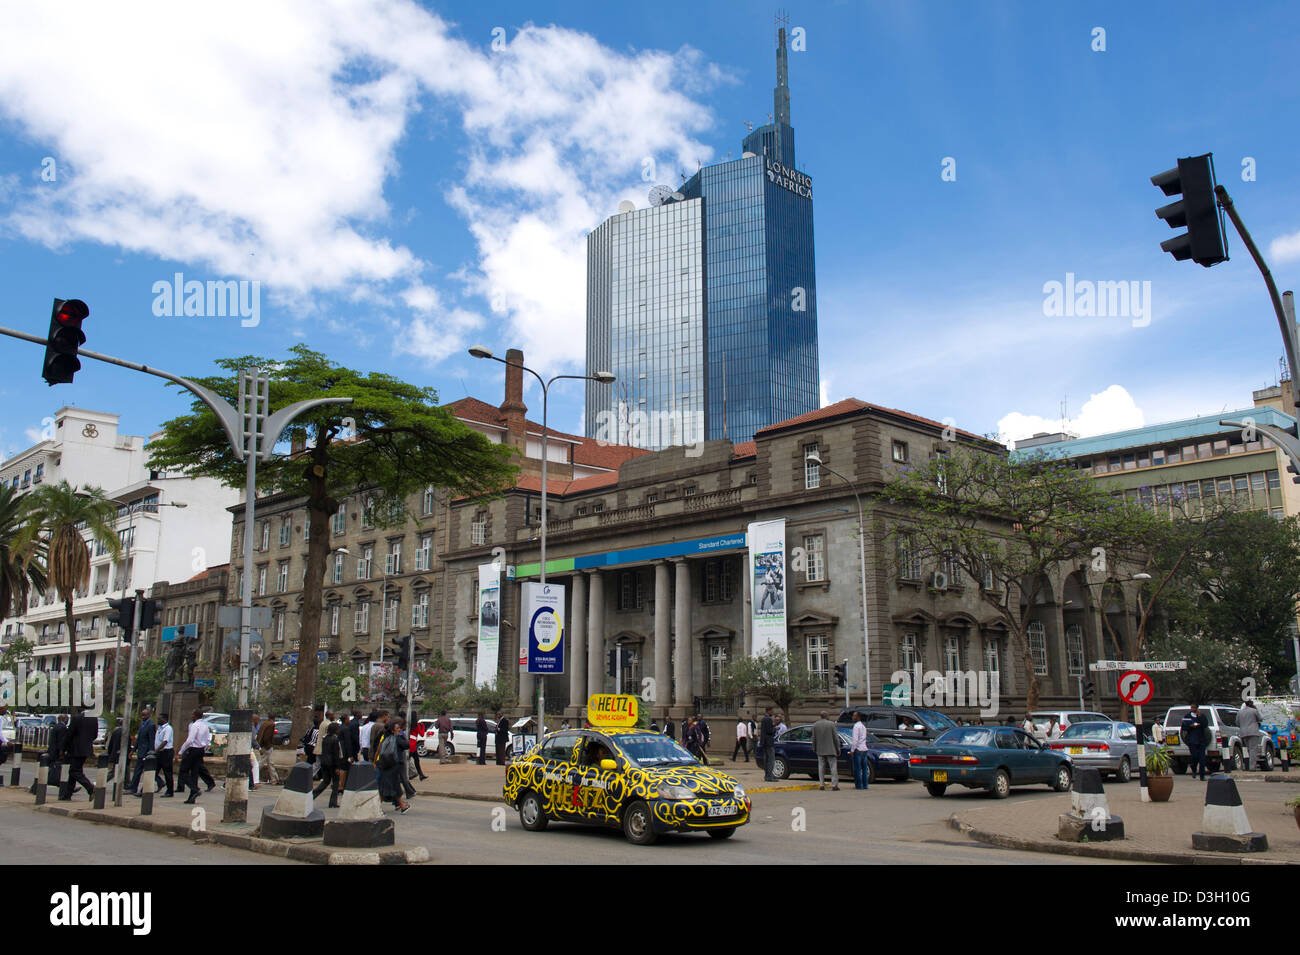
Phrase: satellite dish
{"type": "Point", "coordinates": [658, 194]}
{"type": "Point", "coordinates": [748, 155]}
{"type": "Point", "coordinates": [677, 197]}
{"type": "Point", "coordinates": [626, 206]}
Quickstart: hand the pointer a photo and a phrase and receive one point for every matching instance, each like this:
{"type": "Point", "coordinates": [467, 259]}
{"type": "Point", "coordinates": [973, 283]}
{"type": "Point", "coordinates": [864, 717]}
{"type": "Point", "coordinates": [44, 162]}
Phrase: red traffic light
{"type": "Point", "coordinates": [73, 310]}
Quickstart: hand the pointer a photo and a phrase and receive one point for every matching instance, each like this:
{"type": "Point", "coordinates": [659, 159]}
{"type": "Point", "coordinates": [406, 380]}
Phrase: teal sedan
{"type": "Point", "coordinates": [994, 758]}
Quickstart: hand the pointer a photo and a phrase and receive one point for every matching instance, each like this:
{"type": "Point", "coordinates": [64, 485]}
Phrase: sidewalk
{"type": "Point", "coordinates": [1156, 832]}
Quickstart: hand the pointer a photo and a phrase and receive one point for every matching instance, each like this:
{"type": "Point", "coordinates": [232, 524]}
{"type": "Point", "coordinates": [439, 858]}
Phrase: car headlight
{"type": "Point", "coordinates": [739, 793]}
{"type": "Point", "coordinates": [675, 791]}
{"type": "Point", "coordinates": [893, 757]}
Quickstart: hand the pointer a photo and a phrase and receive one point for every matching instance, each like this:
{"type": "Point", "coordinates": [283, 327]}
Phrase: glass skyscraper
{"type": "Point", "coordinates": [735, 352]}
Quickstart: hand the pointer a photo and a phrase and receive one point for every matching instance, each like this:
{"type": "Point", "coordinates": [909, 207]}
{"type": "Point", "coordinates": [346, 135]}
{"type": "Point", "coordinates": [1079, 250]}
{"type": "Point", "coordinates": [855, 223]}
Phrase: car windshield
{"type": "Point", "coordinates": [1174, 718]}
{"type": "Point", "coordinates": [935, 720]}
{"type": "Point", "coordinates": [966, 736]}
{"type": "Point", "coordinates": [1089, 731]}
{"type": "Point", "coordinates": [651, 749]}
{"type": "Point", "coordinates": [1274, 713]}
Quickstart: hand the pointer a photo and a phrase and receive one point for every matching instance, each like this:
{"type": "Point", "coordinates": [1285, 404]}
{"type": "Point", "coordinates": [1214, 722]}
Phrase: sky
{"type": "Point", "coordinates": [396, 181]}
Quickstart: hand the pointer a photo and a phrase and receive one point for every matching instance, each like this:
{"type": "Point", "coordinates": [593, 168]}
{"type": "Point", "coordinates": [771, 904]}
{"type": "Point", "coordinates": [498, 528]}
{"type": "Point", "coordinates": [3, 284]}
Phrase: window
{"type": "Point", "coordinates": [717, 581]}
{"type": "Point", "coordinates": [334, 620]}
{"type": "Point", "coordinates": [478, 531]}
{"type": "Point", "coordinates": [1273, 481]}
{"type": "Point", "coordinates": [279, 626]}
{"type": "Point", "coordinates": [367, 513]}
{"type": "Point", "coordinates": [941, 471]}
{"type": "Point", "coordinates": [391, 605]}
{"type": "Point", "coordinates": [1074, 649]}
{"type": "Point", "coordinates": [690, 490]}
{"type": "Point", "coordinates": [420, 610]}
{"type": "Point", "coordinates": [952, 652]}
{"type": "Point", "coordinates": [265, 535]}
{"type": "Point", "coordinates": [900, 452]}
{"type": "Point", "coordinates": [909, 560]}
{"type": "Point", "coordinates": [814, 546]}
{"type": "Point", "coordinates": [907, 652]}
{"type": "Point", "coordinates": [340, 520]}
{"type": "Point", "coordinates": [365, 563]}
{"type": "Point", "coordinates": [361, 618]}
{"type": "Point", "coordinates": [717, 659]}
{"type": "Point", "coordinates": [1157, 457]}
{"type": "Point", "coordinates": [1038, 647]}
{"type": "Point", "coordinates": [282, 576]}
{"type": "Point", "coordinates": [306, 527]}
{"type": "Point", "coordinates": [393, 562]}
{"type": "Point", "coordinates": [991, 663]}
{"type": "Point", "coordinates": [337, 576]}
{"type": "Point", "coordinates": [40, 473]}
{"type": "Point", "coordinates": [631, 590]}
{"type": "Point", "coordinates": [261, 580]}
{"type": "Point", "coordinates": [819, 661]}
{"type": "Point", "coordinates": [426, 504]}
{"type": "Point", "coordinates": [812, 471]}
{"type": "Point", "coordinates": [952, 567]}
{"type": "Point", "coordinates": [422, 555]}
{"type": "Point", "coordinates": [286, 529]}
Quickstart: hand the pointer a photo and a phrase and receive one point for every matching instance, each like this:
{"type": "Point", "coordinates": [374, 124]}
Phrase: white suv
{"type": "Point", "coordinates": [463, 738]}
{"type": "Point", "coordinates": [1042, 719]}
{"type": "Point", "coordinates": [1224, 749]}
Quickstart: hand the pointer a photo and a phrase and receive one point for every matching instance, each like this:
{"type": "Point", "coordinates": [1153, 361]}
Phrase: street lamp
{"type": "Point", "coordinates": [814, 458]}
{"type": "Point", "coordinates": [604, 378]}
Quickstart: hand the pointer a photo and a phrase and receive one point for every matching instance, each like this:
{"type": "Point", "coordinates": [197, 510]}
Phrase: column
{"type": "Point", "coordinates": [663, 636]}
{"type": "Point", "coordinates": [682, 629]}
{"type": "Point", "coordinates": [527, 688]}
{"type": "Point", "coordinates": [596, 636]}
{"type": "Point", "coordinates": [578, 642]}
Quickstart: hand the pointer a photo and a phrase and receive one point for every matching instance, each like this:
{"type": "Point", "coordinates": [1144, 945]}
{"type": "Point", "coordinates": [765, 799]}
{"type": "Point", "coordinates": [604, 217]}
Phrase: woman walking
{"type": "Point", "coordinates": [333, 767]}
{"type": "Point", "coordinates": [390, 764]}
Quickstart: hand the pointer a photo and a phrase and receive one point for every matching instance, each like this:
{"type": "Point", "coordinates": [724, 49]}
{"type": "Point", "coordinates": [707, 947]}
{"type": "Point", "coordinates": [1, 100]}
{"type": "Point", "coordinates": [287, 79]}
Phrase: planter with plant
{"type": "Point", "coordinates": [1160, 777]}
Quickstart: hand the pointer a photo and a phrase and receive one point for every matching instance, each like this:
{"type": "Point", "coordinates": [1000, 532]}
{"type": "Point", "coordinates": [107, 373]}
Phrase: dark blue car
{"type": "Point", "coordinates": [793, 753]}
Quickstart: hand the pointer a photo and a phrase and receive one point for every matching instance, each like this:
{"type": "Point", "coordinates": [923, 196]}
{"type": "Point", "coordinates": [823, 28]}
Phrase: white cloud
{"type": "Point", "coordinates": [266, 155]}
{"type": "Point", "coordinates": [824, 392]}
{"type": "Point", "coordinates": [1104, 412]}
{"type": "Point", "coordinates": [1285, 248]}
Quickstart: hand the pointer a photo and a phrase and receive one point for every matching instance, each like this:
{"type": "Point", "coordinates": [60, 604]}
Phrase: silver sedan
{"type": "Point", "coordinates": [1108, 747]}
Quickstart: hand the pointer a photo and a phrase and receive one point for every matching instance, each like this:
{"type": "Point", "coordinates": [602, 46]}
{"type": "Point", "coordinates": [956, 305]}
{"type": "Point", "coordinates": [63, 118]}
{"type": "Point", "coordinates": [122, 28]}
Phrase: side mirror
{"type": "Point", "coordinates": [608, 764]}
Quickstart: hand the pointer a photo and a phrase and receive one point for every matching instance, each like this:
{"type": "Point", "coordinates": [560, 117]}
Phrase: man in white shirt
{"type": "Point", "coordinates": [164, 751]}
{"type": "Point", "coordinates": [742, 740]}
{"type": "Point", "coordinates": [363, 735]}
{"type": "Point", "coordinates": [858, 753]}
{"type": "Point", "coordinates": [192, 750]}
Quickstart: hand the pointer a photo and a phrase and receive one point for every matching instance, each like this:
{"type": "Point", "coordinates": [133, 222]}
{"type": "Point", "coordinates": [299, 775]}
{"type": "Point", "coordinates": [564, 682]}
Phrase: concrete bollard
{"type": "Point", "coordinates": [1089, 818]}
{"type": "Point", "coordinates": [148, 785]}
{"type": "Point", "coordinates": [16, 774]}
{"type": "Point", "coordinates": [360, 823]}
{"type": "Point", "coordinates": [101, 780]}
{"type": "Point", "coordinates": [294, 815]}
{"type": "Point", "coordinates": [42, 779]}
{"type": "Point", "coordinates": [1224, 826]}
{"type": "Point", "coordinates": [239, 748]}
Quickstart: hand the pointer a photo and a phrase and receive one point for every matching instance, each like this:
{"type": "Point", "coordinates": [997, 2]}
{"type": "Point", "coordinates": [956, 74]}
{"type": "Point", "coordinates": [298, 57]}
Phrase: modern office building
{"type": "Point", "coordinates": [704, 306]}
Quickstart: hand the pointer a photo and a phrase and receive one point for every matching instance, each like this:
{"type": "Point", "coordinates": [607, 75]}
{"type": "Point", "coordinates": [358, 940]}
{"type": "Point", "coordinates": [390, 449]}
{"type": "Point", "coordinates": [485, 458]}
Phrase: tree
{"type": "Point", "coordinates": [148, 676]}
{"type": "Point", "coordinates": [337, 685]}
{"type": "Point", "coordinates": [61, 512]}
{"type": "Point", "coordinates": [776, 674]}
{"type": "Point", "coordinates": [488, 698]}
{"type": "Point", "coordinates": [18, 651]}
{"type": "Point", "coordinates": [403, 442]}
{"type": "Point", "coordinates": [1215, 666]}
{"type": "Point", "coordinates": [1007, 523]}
{"type": "Point", "coordinates": [21, 568]}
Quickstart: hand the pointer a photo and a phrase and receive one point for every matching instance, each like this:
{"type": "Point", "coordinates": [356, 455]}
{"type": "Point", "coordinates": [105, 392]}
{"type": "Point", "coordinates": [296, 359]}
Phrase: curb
{"type": "Point", "coordinates": [783, 789]}
{"type": "Point", "coordinates": [298, 851]}
{"type": "Point", "coordinates": [1099, 851]}
{"type": "Point", "coordinates": [1288, 778]}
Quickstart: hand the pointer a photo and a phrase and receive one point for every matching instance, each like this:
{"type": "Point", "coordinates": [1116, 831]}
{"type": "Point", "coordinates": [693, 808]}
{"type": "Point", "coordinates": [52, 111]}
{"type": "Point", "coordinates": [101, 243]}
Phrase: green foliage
{"type": "Point", "coordinates": [1215, 666]}
{"type": "Point", "coordinates": [22, 564]}
{"type": "Point", "coordinates": [1159, 759]}
{"type": "Point", "coordinates": [148, 677]}
{"type": "Point", "coordinates": [500, 694]}
{"type": "Point", "coordinates": [19, 650]}
{"type": "Point", "coordinates": [775, 674]}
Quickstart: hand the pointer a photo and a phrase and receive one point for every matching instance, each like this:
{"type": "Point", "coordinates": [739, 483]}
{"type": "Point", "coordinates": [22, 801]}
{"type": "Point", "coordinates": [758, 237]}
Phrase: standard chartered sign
{"type": "Point", "coordinates": [789, 178]}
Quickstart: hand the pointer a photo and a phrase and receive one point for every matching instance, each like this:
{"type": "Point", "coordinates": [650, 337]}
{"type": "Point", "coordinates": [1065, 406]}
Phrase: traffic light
{"type": "Point", "coordinates": [402, 652]}
{"type": "Point", "coordinates": [1197, 211]}
{"type": "Point", "coordinates": [150, 613]}
{"type": "Point", "coordinates": [122, 613]}
{"type": "Point", "coordinates": [841, 675]}
{"type": "Point", "coordinates": [1089, 687]}
{"type": "Point", "coordinates": [64, 338]}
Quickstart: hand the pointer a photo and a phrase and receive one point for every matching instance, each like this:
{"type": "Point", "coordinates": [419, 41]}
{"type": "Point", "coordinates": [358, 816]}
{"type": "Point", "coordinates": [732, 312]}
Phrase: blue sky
{"type": "Point", "coordinates": [402, 189]}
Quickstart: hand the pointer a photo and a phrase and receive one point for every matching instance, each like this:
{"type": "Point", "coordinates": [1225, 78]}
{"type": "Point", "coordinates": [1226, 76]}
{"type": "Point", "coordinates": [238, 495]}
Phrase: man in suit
{"type": "Point", "coordinates": [826, 746]}
{"type": "Point", "coordinates": [143, 748]}
{"type": "Point", "coordinates": [766, 736]}
{"type": "Point", "coordinates": [58, 739]}
{"type": "Point", "coordinates": [80, 746]}
{"type": "Point", "coordinates": [503, 738]}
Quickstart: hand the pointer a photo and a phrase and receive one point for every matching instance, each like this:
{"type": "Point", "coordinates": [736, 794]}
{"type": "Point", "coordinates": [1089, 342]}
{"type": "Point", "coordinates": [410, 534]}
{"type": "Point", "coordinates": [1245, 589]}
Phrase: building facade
{"type": "Point", "coordinates": [751, 359]}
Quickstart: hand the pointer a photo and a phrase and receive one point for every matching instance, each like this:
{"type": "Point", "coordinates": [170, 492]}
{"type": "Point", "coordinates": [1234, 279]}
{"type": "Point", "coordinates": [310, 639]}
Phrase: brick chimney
{"type": "Point", "coordinates": [513, 407]}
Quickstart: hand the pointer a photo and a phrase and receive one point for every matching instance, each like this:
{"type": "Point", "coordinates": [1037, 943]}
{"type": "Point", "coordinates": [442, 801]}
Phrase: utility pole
{"type": "Point", "coordinates": [130, 685]}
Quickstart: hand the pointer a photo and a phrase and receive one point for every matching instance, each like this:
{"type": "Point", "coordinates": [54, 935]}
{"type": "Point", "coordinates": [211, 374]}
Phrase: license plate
{"type": "Point", "coordinates": [940, 776]}
{"type": "Point", "coordinates": [1076, 750]}
{"type": "Point", "coordinates": [1172, 739]}
{"type": "Point", "coordinates": [721, 811]}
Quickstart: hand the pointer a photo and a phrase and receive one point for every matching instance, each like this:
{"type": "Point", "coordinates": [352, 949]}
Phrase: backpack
{"type": "Point", "coordinates": [388, 752]}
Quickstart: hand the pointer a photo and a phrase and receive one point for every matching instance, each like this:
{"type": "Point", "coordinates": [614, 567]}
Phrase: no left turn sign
{"type": "Point", "coordinates": [1136, 688]}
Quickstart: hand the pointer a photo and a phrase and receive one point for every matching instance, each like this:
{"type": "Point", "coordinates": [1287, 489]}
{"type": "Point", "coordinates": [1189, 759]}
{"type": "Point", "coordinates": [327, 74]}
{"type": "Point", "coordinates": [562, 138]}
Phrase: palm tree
{"type": "Point", "coordinates": [62, 514]}
{"type": "Point", "coordinates": [21, 567]}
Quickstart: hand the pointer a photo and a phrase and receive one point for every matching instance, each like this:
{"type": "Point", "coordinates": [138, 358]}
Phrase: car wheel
{"type": "Point", "coordinates": [448, 751]}
{"type": "Point", "coordinates": [1001, 785]}
{"type": "Point", "coordinates": [1061, 782]}
{"type": "Point", "coordinates": [871, 772]}
{"type": "Point", "coordinates": [531, 815]}
{"type": "Point", "coordinates": [781, 769]}
{"type": "Point", "coordinates": [638, 824]}
{"type": "Point", "coordinates": [420, 750]}
{"type": "Point", "coordinates": [1236, 762]}
{"type": "Point", "coordinates": [1125, 772]}
{"type": "Point", "coordinates": [936, 789]}
{"type": "Point", "coordinates": [722, 833]}
{"type": "Point", "coordinates": [1268, 757]}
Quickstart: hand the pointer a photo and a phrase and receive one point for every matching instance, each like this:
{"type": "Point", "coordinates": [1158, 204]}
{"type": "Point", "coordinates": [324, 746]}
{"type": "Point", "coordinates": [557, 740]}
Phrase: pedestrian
{"type": "Point", "coordinates": [1054, 729]}
{"type": "Point", "coordinates": [742, 739]}
{"type": "Point", "coordinates": [481, 735]}
{"type": "Point", "coordinates": [780, 724]}
{"type": "Point", "coordinates": [143, 747]}
{"type": "Point", "coordinates": [1193, 729]}
{"type": "Point", "coordinates": [5, 728]}
{"type": "Point", "coordinates": [404, 770]}
{"type": "Point", "coordinates": [196, 743]}
{"type": "Point", "coordinates": [826, 746]}
{"type": "Point", "coordinates": [564, 724]}
{"type": "Point", "coordinates": [859, 754]}
{"type": "Point", "coordinates": [311, 738]}
{"type": "Point", "coordinates": [164, 750]}
{"type": "Point", "coordinates": [79, 745]}
{"type": "Point", "coordinates": [753, 735]}
{"type": "Point", "coordinates": [266, 750]}
{"type": "Point", "coordinates": [333, 766]}
{"type": "Point", "coordinates": [352, 737]}
{"type": "Point", "coordinates": [503, 737]}
{"type": "Point", "coordinates": [444, 733]}
{"type": "Point", "coordinates": [390, 764]}
{"type": "Point", "coordinates": [418, 732]}
{"type": "Point", "coordinates": [669, 729]}
{"type": "Point", "coordinates": [702, 728]}
{"type": "Point", "coordinates": [1248, 725]}
{"type": "Point", "coordinates": [1028, 727]}
{"type": "Point", "coordinates": [766, 736]}
{"type": "Point", "coordinates": [377, 733]}
{"type": "Point", "coordinates": [114, 749]}
{"type": "Point", "coordinates": [363, 735]}
{"type": "Point", "coordinates": [654, 725]}
{"type": "Point", "coordinates": [322, 724]}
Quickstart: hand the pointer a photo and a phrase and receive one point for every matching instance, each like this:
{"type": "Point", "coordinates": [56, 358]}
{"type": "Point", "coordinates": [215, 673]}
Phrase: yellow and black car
{"type": "Point", "coordinates": [636, 780]}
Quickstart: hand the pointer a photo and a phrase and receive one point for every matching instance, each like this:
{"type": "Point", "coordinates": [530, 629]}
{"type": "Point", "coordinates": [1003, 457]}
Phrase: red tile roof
{"type": "Point", "coordinates": [211, 570]}
{"type": "Point", "coordinates": [746, 449]}
{"type": "Point", "coordinates": [850, 406]}
{"type": "Point", "coordinates": [587, 451]}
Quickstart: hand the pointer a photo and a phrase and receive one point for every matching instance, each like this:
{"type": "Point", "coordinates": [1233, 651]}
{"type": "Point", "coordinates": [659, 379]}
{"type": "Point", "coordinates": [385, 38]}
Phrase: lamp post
{"type": "Point", "coordinates": [604, 377]}
{"type": "Point", "coordinates": [814, 458]}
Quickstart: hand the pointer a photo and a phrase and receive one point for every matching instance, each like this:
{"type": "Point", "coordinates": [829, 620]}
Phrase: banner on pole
{"type": "Point", "coordinates": [767, 570]}
{"type": "Point", "coordinates": [489, 623]}
{"type": "Point", "coordinates": [544, 612]}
